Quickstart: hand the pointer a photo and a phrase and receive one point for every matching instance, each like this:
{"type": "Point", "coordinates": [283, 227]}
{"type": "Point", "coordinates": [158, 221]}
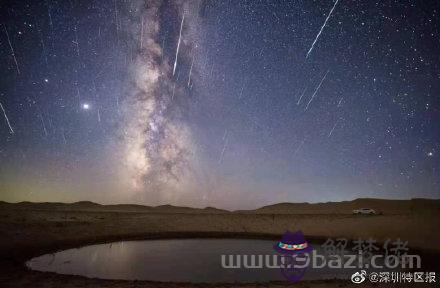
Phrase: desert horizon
{"type": "Point", "coordinates": [375, 203]}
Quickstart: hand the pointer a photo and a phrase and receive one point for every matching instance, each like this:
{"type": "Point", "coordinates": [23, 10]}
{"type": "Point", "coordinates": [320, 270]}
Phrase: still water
{"type": "Point", "coordinates": [176, 260]}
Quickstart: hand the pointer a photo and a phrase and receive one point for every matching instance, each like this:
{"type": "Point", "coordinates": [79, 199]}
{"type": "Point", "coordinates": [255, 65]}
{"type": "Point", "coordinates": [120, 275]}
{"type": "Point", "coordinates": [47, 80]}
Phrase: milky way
{"type": "Point", "coordinates": [158, 144]}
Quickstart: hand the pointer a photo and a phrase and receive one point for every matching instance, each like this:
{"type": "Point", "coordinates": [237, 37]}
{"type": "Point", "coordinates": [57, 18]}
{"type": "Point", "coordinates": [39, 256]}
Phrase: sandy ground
{"type": "Point", "coordinates": [28, 233]}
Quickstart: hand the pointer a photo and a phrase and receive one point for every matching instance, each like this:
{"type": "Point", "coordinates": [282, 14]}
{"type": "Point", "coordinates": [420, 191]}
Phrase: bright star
{"type": "Point", "coordinates": [86, 106]}
{"type": "Point", "coordinates": [430, 154]}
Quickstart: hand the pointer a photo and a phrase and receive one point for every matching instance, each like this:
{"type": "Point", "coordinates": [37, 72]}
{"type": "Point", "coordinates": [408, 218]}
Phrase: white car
{"type": "Point", "coordinates": [365, 211]}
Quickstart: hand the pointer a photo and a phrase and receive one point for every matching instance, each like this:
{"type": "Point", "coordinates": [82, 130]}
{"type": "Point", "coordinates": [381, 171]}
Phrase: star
{"type": "Point", "coordinates": [86, 106]}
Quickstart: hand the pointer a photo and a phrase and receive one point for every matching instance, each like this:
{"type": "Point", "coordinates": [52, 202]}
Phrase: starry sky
{"type": "Point", "coordinates": [232, 104]}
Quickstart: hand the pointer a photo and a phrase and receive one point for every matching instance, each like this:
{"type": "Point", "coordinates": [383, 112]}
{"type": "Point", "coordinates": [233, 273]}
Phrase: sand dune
{"type": "Point", "coordinates": [383, 206]}
{"type": "Point", "coordinates": [380, 205]}
{"type": "Point", "coordinates": [91, 206]}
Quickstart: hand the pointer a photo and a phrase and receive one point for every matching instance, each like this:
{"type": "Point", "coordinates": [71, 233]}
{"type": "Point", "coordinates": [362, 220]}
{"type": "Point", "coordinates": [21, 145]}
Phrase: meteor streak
{"type": "Point", "coordinates": [340, 102]}
{"type": "Point", "coordinates": [333, 129]}
{"type": "Point", "coordinates": [225, 145]}
{"type": "Point", "coordinates": [178, 44]}
{"type": "Point", "coordinates": [12, 49]}
{"type": "Point", "coordinates": [190, 70]}
{"type": "Point", "coordinates": [316, 90]}
{"type": "Point", "coordinates": [322, 28]}
{"type": "Point", "coordinates": [7, 119]}
{"type": "Point", "coordinates": [302, 94]}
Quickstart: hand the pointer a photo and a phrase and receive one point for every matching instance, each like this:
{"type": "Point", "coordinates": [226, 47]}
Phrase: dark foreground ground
{"type": "Point", "coordinates": [26, 233]}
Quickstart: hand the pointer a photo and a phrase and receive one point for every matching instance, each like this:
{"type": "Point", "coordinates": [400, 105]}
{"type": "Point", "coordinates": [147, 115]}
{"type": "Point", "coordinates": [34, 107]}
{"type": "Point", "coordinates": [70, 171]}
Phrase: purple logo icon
{"type": "Point", "coordinates": [294, 250]}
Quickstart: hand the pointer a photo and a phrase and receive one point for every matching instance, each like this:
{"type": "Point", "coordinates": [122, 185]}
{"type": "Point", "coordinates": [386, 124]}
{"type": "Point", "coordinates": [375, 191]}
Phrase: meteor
{"type": "Point", "coordinates": [7, 119]}
{"type": "Point", "coordinates": [302, 94]}
{"type": "Point", "coordinates": [333, 129]}
{"type": "Point", "coordinates": [12, 49]}
{"type": "Point", "coordinates": [322, 28]}
{"type": "Point", "coordinates": [316, 90]}
{"type": "Point", "coordinates": [190, 70]}
{"type": "Point", "coordinates": [178, 44]}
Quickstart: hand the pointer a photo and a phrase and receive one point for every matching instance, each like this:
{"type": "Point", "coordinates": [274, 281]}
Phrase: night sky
{"type": "Point", "coordinates": [233, 104]}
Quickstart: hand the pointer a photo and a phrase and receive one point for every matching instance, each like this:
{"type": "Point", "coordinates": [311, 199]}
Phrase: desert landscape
{"type": "Point", "coordinates": [32, 229]}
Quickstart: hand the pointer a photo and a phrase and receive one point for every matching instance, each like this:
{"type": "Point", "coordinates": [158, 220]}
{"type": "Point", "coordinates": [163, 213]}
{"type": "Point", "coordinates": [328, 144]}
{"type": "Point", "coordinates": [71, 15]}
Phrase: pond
{"type": "Point", "coordinates": [175, 260]}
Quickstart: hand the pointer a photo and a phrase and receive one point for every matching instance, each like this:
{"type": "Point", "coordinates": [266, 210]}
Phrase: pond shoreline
{"type": "Point", "coordinates": [16, 264]}
{"type": "Point", "coordinates": [31, 235]}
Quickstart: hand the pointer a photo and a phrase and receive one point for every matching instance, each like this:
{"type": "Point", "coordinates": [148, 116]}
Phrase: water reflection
{"type": "Point", "coordinates": [179, 260]}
